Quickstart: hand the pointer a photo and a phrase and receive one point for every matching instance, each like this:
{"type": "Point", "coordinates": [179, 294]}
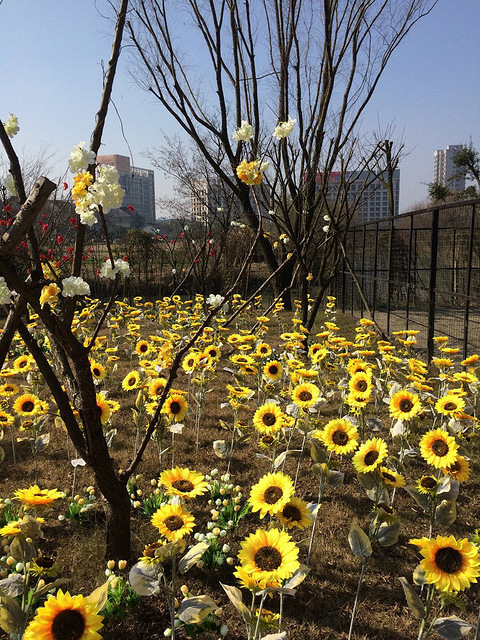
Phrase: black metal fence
{"type": "Point", "coordinates": [418, 270]}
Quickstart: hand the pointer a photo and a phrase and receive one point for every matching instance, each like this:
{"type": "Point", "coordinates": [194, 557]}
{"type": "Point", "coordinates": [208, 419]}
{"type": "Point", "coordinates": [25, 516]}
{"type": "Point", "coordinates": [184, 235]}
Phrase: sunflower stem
{"type": "Point", "coordinates": [321, 490]}
{"type": "Point", "coordinates": [259, 614]}
{"type": "Point", "coordinates": [477, 630]}
{"type": "Point", "coordinates": [428, 606]}
{"type": "Point", "coordinates": [357, 595]}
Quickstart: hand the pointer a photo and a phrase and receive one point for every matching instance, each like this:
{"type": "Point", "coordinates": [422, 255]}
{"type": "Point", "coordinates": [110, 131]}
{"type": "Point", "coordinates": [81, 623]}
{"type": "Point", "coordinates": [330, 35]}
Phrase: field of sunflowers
{"type": "Point", "coordinates": [327, 491]}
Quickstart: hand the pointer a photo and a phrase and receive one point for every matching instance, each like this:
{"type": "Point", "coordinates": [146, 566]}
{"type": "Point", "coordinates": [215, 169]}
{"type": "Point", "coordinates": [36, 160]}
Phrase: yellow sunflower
{"type": "Point", "coordinates": [438, 448]}
{"type": "Point", "coordinates": [65, 617]}
{"type": "Point", "coordinates": [360, 385]}
{"type": "Point", "coordinates": [28, 404]}
{"type": "Point", "coordinates": [22, 364]}
{"type": "Point", "coordinates": [269, 555]}
{"type": "Point", "coordinates": [175, 407]}
{"type": "Point", "coordinates": [405, 405]}
{"type": "Point", "coordinates": [450, 405]}
{"type": "Point", "coordinates": [295, 514]}
{"type": "Point", "coordinates": [305, 395]}
{"type": "Point", "coordinates": [449, 564]}
{"type": "Point", "coordinates": [273, 370]}
{"type": "Point", "coordinates": [8, 390]}
{"type": "Point", "coordinates": [98, 370]}
{"type": "Point", "coordinates": [142, 348]}
{"type": "Point", "coordinates": [268, 419]}
{"type": "Point", "coordinates": [156, 387]}
{"type": "Point", "coordinates": [263, 350]}
{"type": "Point", "coordinates": [271, 493]}
{"type": "Point", "coordinates": [458, 470]}
{"type": "Point", "coordinates": [189, 362]}
{"type": "Point", "coordinates": [6, 419]}
{"type": "Point", "coordinates": [392, 478]}
{"type": "Point", "coordinates": [213, 352]}
{"type": "Point", "coordinates": [104, 408]}
{"type": "Point", "coordinates": [239, 392]}
{"type": "Point", "coordinates": [340, 436]}
{"type": "Point", "coordinates": [181, 481]}
{"type": "Point", "coordinates": [131, 381]}
{"type": "Point", "coordinates": [427, 485]}
{"type": "Point", "coordinates": [173, 521]}
{"type": "Point", "coordinates": [11, 529]}
{"type": "Point", "coordinates": [36, 497]}
{"type": "Point", "coordinates": [370, 455]}
{"type": "Point", "coordinates": [249, 582]}
{"type": "Point", "coordinates": [356, 403]}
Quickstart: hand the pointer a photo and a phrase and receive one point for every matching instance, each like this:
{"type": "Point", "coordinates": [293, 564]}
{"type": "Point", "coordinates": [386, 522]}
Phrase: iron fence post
{"type": "Point", "coordinates": [468, 282]}
{"type": "Point", "coordinates": [432, 283]}
{"type": "Point", "coordinates": [389, 274]}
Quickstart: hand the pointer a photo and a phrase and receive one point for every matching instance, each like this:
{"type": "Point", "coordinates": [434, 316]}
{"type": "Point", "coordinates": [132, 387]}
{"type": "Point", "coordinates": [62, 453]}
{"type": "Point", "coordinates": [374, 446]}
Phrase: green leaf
{"type": "Point", "coordinates": [387, 534]}
{"type": "Point", "coordinates": [12, 617]}
{"type": "Point", "coordinates": [421, 499]}
{"type": "Point", "coordinates": [413, 599]}
{"type": "Point", "coordinates": [446, 512]}
{"type": "Point", "coordinates": [49, 586]}
{"type": "Point", "coordinates": [279, 460]}
{"type": "Point", "coordinates": [192, 556]}
{"type": "Point", "coordinates": [12, 586]}
{"type": "Point", "coordinates": [193, 610]}
{"type": "Point", "coordinates": [41, 442]}
{"type": "Point", "coordinates": [298, 577]}
{"type": "Point", "coordinates": [21, 550]}
{"type": "Point", "coordinates": [317, 452]}
{"type": "Point", "coordinates": [452, 628]}
{"type": "Point", "coordinates": [419, 576]}
{"type": "Point", "coordinates": [359, 541]}
{"type": "Point", "coordinates": [275, 636]}
{"type": "Point", "coordinates": [145, 579]}
{"type": "Point", "coordinates": [367, 480]}
{"type": "Point", "coordinates": [2, 454]}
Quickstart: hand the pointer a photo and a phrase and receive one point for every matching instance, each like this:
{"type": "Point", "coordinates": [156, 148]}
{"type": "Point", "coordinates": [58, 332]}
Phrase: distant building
{"type": "Point", "coordinates": [139, 186]}
{"type": "Point", "coordinates": [206, 197]}
{"type": "Point", "coordinates": [444, 168]}
{"type": "Point", "coordinates": [371, 191]}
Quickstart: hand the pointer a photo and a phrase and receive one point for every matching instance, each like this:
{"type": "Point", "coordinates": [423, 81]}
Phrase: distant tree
{"type": "Point", "coordinates": [438, 192]}
{"type": "Point", "coordinates": [468, 163]}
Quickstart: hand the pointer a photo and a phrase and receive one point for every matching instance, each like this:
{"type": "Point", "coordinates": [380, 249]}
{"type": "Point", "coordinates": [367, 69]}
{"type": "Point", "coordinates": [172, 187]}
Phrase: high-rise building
{"type": "Point", "coordinates": [206, 197]}
{"type": "Point", "coordinates": [370, 190]}
{"type": "Point", "coordinates": [138, 184]}
{"type": "Point", "coordinates": [444, 169]}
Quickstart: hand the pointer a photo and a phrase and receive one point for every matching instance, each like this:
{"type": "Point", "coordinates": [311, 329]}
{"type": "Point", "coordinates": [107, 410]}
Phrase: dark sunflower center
{"type": "Point", "coordinates": [272, 495]}
{"type": "Point", "coordinates": [185, 486]}
{"type": "Point", "coordinates": [3, 418]}
{"type": "Point", "coordinates": [8, 389]}
{"type": "Point", "coordinates": [428, 482]}
{"type": "Point", "coordinates": [440, 448]}
{"type": "Point", "coordinates": [388, 476]}
{"type": "Point", "coordinates": [149, 552]}
{"type": "Point", "coordinates": [291, 512]}
{"type": "Point", "coordinates": [173, 523]}
{"type": "Point", "coordinates": [68, 624]}
{"type": "Point", "coordinates": [448, 559]}
{"type": "Point", "coordinates": [339, 437]}
{"type": "Point", "coordinates": [131, 381]}
{"type": "Point", "coordinates": [371, 457]}
{"type": "Point", "coordinates": [175, 407]}
{"type": "Point", "coordinates": [96, 372]}
{"type": "Point", "coordinates": [143, 348]}
{"type": "Point", "coordinates": [268, 558]}
{"type": "Point", "coordinates": [22, 364]}
{"type": "Point", "coordinates": [44, 563]}
{"type": "Point", "coordinates": [405, 405]}
{"type": "Point", "coordinates": [453, 468]}
{"type": "Point", "coordinates": [269, 419]}
{"type": "Point", "coordinates": [268, 439]}
{"type": "Point", "coordinates": [450, 406]}
{"type": "Point", "coordinates": [28, 406]}
{"type": "Point", "coordinates": [361, 385]}
{"type": "Point", "coordinates": [273, 370]}
{"type": "Point", "coordinates": [305, 396]}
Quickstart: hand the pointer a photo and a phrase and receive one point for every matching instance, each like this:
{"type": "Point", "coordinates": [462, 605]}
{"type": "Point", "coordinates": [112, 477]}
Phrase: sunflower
{"type": "Point", "coordinates": [273, 370]}
{"type": "Point", "coordinates": [340, 436]}
{"type": "Point", "coordinates": [44, 567]}
{"type": "Point", "coordinates": [271, 493]}
{"type": "Point", "coordinates": [181, 481]}
{"type": "Point", "coordinates": [173, 521]}
{"type": "Point", "coordinates": [263, 350]}
{"type": "Point", "coordinates": [249, 582]}
{"type": "Point", "coordinates": [450, 404]}
{"type": "Point", "coordinates": [22, 364]}
{"type": "Point", "coordinates": [242, 359]}
{"type": "Point", "coordinates": [295, 514]}
{"type": "Point", "coordinates": [427, 485]}
{"type": "Point", "coordinates": [98, 370]}
{"type": "Point", "coordinates": [356, 403]}
{"type": "Point", "coordinates": [11, 529]}
{"type": "Point", "coordinates": [213, 352]}
{"type": "Point", "coordinates": [360, 385]}
{"type": "Point", "coordinates": [189, 362]}
{"type": "Point", "coordinates": [305, 395]}
{"type": "Point", "coordinates": [104, 408]}
{"type": "Point", "coordinates": [405, 405]}
{"type": "Point", "coordinates": [28, 404]}
{"type": "Point", "coordinates": [6, 419]}
{"type": "Point", "coordinates": [392, 478]}
{"type": "Point", "coordinates": [131, 381]}
{"type": "Point", "coordinates": [142, 348]}
{"type": "Point", "coordinates": [268, 419]}
{"type": "Point", "coordinates": [36, 497]}
{"type": "Point", "coordinates": [175, 407]}
{"type": "Point", "coordinates": [239, 392]}
{"type": "Point", "coordinates": [438, 448]}
{"type": "Point", "coordinates": [370, 455]}
{"type": "Point", "coordinates": [156, 387]}
{"type": "Point", "coordinates": [269, 555]}
{"type": "Point", "coordinates": [8, 390]}
{"type": "Point", "coordinates": [449, 564]}
{"type": "Point", "coordinates": [458, 470]}
{"type": "Point", "coordinates": [65, 617]}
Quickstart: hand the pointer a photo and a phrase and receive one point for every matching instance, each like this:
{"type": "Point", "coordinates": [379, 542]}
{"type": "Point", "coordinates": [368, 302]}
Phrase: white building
{"type": "Point", "coordinates": [444, 168]}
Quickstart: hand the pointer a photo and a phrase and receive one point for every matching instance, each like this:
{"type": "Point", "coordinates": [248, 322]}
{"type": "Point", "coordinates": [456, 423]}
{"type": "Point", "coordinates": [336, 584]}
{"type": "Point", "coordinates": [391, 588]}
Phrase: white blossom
{"type": "Point", "coordinates": [80, 158]}
{"type": "Point", "coordinates": [243, 133]}
{"type": "Point", "coordinates": [214, 300]}
{"type": "Point", "coordinates": [5, 293]}
{"type": "Point", "coordinates": [106, 190]}
{"type": "Point", "coordinates": [9, 184]}
{"type": "Point", "coordinates": [75, 286]}
{"type": "Point", "coordinates": [107, 271]}
{"type": "Point", "coordinates": [11, 126]}
{"type": "Point", "coordinates": [87, 215]}
{"type": "Point", "coordinates": [284, 129]}
{"type": "Point", "coordinates": [119, 266]}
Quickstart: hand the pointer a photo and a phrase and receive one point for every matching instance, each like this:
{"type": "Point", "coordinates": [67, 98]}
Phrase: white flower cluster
{"type": "Point", "coordinates": [5, 293]}
{"type": "Point", "coordinates": [244, 133]}
{"type": "Point", "coordinates": [284, 129]}
{"type": "Point", "coordinates": [120, 266]}
{"type": "Point", "coordinates": [106, 189]}
{"type": "Point", "coordinates": [80, 158]}
{"type": "Point", "coordinates": [214, 300]}
{"type": "Point", "coordinates": [11, 126]}
{"type": "Point", "coordinates": [74, 286]}
{"type": "Point", "coordinates": [9, 184]}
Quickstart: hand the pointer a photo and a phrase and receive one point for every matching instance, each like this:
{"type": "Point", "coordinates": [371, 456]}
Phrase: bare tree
{"type": "Point", "coordinates": [263, 62]}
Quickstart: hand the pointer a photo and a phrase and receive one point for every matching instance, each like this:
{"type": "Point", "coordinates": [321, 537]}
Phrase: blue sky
{"type": "Point", "coordinates": [52, 80]}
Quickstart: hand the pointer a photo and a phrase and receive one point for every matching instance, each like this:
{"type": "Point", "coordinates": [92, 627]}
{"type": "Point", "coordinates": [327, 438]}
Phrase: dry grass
{"type": "Point", "coordinates": [322, 607]}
